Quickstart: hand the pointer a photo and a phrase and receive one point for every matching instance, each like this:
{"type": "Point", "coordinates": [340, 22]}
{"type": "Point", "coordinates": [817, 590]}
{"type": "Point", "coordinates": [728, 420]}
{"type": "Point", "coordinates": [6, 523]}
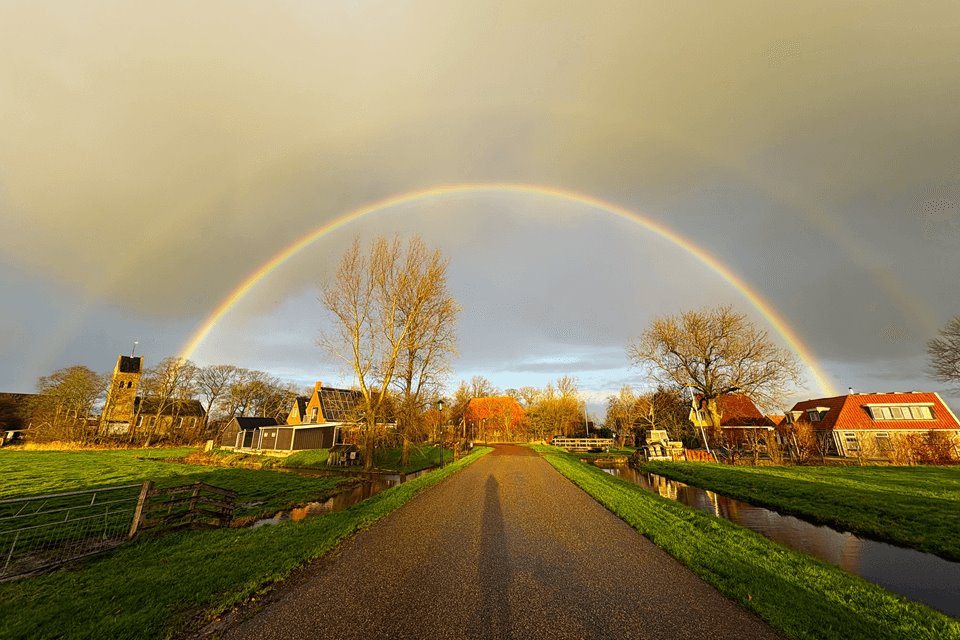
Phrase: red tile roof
{"type": "Point", "coordinates": [850, 411]}
{"type": "Point", "coordinates": [738, 410]}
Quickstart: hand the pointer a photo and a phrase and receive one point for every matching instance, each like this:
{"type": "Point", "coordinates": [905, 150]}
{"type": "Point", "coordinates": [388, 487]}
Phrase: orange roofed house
{"type": "Point", "coordinates": [881, 425]}
{"type": "Point", "coordinates": [741, 422]}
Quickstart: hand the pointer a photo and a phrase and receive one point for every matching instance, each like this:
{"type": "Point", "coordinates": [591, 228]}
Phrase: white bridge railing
{"type": "Point", "coordinates": [582, 443]}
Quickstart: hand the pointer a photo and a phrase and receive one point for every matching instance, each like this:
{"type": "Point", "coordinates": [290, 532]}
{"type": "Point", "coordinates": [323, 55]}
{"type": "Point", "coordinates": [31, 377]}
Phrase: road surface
{"type": "Point", "coordinates": [506, 548]}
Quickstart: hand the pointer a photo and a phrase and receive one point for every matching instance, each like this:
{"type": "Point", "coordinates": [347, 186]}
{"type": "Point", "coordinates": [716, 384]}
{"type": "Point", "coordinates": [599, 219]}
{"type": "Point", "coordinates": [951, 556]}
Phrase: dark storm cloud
{"type": "Point", "coordinates": [152, 158]}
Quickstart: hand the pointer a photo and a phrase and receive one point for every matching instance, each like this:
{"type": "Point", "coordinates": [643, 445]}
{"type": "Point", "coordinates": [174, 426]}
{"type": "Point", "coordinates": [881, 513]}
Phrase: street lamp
{"type": "Point", "coordinates": [440, 409]}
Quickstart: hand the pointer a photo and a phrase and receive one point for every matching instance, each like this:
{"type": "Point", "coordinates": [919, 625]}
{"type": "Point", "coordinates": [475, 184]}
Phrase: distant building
{"type": "Point", "coordinates": [741, 422]}
{"type": "Point", "coordinates": [119, 410]}
{"type": "Point", "coordinates": [325, 418]}
{"type": "Point", "coordinates": [14, 416]}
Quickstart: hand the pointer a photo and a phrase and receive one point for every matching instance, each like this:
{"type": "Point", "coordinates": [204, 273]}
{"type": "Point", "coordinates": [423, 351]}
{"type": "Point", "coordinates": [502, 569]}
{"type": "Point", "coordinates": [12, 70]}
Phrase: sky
{"type": "Point", "coordinates": [154, 155]}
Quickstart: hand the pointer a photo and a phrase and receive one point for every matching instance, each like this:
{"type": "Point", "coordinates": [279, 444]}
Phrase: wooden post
{"type": "Point", "coordinates": [138, 512]}
{"type": "Point", "coordinates": [192, 511]}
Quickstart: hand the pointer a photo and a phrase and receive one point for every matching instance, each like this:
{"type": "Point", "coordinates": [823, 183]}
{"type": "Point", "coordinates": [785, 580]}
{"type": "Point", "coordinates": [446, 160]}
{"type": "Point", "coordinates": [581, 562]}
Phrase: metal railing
{"type": "Point", "coordinates": [40, 532]}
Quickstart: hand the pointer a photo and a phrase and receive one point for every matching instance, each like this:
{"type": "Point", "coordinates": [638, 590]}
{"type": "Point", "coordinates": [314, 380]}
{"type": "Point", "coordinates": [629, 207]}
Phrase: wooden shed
{"type": "Point", "coordinates": [344, 455]}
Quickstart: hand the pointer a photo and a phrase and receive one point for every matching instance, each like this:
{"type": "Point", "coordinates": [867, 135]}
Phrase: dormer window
{"type": "Point", "coordinates": [814, 415]}
{"type": "Point", "coordinates": [901, 411]}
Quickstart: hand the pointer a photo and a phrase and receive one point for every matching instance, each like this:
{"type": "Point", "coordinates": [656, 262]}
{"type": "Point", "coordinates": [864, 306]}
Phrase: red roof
{"type": "Point", "coordinates": [738, 410]}
{"type": "Point", "coordinates": [852, 412]}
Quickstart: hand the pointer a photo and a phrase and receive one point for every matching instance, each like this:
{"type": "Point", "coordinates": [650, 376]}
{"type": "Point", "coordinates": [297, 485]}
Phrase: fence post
{"type": "Point", "coordinates": [138, 512]}
{"type": "Point", "coordinates": [192, 511]}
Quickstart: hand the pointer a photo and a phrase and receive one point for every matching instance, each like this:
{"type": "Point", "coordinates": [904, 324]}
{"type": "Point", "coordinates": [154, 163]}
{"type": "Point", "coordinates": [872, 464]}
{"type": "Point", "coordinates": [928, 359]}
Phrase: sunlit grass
{"type": "Point", "coordinates": [794, 593]}
{"type": "Point", "coordinates": [259, 492]}
{"type": "Point", "coordinates": [917, 507]}
{"type": "Point", "coordinates": [156, 587]}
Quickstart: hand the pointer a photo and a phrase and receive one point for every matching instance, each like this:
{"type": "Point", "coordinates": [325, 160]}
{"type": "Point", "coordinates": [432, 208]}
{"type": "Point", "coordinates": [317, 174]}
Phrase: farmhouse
{"type": "Point", "coordinates": [741, 422]}
{"type": "Point", "coordinates": [14, 416]}
{"type": "Point", "coordinates": [878, 425]}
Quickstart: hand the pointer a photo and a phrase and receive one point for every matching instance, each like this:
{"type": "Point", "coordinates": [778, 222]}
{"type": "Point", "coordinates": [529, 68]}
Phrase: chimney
{"type": "Point", "coordinates": [850, 391]}
{"type": "Point", "coordinates": [317, 386]}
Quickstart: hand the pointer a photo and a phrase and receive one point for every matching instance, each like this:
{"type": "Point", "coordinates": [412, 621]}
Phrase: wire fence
{"type": "Point", "coordinates": [40, 532]}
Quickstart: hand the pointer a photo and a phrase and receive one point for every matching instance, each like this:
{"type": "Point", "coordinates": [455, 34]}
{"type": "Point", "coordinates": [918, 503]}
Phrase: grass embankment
{"type": "Point", "coordinates": [917, 507]}
{"type": "Point", "coordinates": [385, 460]}
{"type": "Point", "coordinates": [156, 587]}
{"type": "Point", "coordinates": [259, 492]}
{"type": "Point", "coordinates": [797, 595]}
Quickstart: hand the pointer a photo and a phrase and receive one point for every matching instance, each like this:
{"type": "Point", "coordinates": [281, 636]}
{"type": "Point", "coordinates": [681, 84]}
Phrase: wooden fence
{"type": "Point", "coordinates": [190, 505]}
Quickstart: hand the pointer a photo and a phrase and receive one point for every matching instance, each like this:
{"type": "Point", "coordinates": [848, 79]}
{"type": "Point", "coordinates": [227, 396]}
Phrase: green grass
{"type": "Point", "coordinates": [385, 459]}
{"type": "Point", "coordinates": [797, 595]}
{"type": "Point", "coordinates": [158, 587]}
{"type": "Point", "coordinates": [916, 507]}
{"type": "Point", "coordinates": [259, 492]}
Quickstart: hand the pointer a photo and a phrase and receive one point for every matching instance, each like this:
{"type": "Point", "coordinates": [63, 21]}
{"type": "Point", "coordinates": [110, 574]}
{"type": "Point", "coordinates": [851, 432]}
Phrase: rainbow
{"type": "Point", "coordinates": [761, 305]}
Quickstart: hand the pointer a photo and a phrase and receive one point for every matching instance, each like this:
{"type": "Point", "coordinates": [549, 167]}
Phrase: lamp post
{"type": "Point", "coordinates": [440, 409]}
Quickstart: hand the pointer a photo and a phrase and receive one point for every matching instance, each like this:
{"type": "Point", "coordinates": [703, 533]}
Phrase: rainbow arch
{"type": "Point", "coordinates": [755, 299]}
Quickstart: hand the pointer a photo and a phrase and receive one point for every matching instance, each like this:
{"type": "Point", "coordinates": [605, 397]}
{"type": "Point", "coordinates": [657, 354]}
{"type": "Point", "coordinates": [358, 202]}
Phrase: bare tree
{"type": "Point", "coordinates": [623, 414]}
{"type": "Point", "coordinates": [164, 386]}
{"type": "Point", "coordinates": [370, 301]}
{"type": "Point", "coordinates": [944, 352]}
{"type": "Point", "coordinates": [430, 315]}
{"type": "Point", "coordinates": [716, 351]}
{"type": "Point", "coordinates": [213, 383]}
{"type": "Point", "coordinates": [65, 401]}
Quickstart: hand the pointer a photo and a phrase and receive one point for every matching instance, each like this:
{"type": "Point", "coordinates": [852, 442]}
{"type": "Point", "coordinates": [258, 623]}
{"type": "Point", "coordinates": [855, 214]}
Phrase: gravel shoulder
{"type": "Point", "coordinates": [507, 548]}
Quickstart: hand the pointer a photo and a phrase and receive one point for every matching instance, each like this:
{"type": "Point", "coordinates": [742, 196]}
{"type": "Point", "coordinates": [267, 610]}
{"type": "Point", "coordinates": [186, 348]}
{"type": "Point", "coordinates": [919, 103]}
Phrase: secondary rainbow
{"type": "Point", "coordinates": [761, 305]}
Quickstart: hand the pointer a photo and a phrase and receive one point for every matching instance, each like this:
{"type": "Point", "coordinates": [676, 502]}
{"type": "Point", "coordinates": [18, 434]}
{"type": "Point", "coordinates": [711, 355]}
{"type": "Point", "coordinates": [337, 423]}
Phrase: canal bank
{"type": "Point", "coordinates": [922, 577]}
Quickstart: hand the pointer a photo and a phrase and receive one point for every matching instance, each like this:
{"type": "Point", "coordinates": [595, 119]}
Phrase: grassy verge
{"type": "Point", "coordinates": [797, 595]}
{"type": "Point", "coordinates": [259, 492]}
{"type": "Point", "coordinates": [386, 459]}
{"type": "Point", "coordinates": [916, 507]}
{"type": "Point", "coordinates": [153, 587]}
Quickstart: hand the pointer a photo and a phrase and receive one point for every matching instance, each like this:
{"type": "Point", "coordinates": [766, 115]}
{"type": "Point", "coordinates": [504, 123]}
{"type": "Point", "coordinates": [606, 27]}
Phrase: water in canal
{"type": "Point", "coordinates": [918, 576]}
{"type": "Point", "coordinates": [369, 485]}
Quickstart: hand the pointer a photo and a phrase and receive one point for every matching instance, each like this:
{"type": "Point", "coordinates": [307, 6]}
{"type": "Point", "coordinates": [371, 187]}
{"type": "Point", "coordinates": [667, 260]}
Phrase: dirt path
{"type": "Point", "coordinates": [507, 548]}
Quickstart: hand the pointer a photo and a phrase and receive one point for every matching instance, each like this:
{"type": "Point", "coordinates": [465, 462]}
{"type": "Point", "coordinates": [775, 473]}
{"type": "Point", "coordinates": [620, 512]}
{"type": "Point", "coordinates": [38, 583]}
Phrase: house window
{"type": "Point", "coordinates": [814, 415]}
{"type": "Point", "coordinates": [884, 443]}
{"type": "Point", "coordinates": [850, 441]}
{"type": "Point", "coordinates": [313, 414]}
{"type": "Point", "coordinates": [902, 412]}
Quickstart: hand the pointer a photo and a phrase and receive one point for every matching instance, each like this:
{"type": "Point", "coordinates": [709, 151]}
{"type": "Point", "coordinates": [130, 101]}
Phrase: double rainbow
{"type": "Point", "coordinates": [756, 300]}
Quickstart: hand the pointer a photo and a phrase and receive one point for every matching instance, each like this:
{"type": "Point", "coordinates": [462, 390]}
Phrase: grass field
{"type": "Point", "coordinates": [157, 587]}
{"type": "Point", "coordinates": [799, 596]}
{"type": "Point", "coordinates": [259, 492]}
{"type": "Point", "coordinates": [917, 507]}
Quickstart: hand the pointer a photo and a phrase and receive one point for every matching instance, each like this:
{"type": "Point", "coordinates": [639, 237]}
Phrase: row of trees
{"type": "Point", "coordinates": [68, 401]}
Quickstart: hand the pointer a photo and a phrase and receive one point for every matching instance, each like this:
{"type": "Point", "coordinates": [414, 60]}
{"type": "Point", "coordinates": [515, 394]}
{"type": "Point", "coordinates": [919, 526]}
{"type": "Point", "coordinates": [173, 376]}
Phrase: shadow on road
{"type": "Point", "coordinates": [492, 619]}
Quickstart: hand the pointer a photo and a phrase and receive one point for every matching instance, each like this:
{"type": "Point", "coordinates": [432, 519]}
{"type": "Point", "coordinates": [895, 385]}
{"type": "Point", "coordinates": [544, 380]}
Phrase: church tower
{"type": "Point", "coordinates": [118, 411]}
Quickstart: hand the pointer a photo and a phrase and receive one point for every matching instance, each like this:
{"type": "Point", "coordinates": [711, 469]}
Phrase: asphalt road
{"type": "Point", "coordinates": [507, 548]}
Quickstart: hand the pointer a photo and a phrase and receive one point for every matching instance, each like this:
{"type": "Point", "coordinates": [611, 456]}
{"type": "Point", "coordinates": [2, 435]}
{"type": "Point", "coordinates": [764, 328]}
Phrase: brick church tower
{"type": "Point", "coordinates": [118, 411]}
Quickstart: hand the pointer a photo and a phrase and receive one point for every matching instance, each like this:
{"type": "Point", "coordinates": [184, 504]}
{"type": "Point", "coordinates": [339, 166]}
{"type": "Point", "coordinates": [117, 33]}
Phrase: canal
{"type": "Point", "coordinates": [369, 484]}
{"type": "Point", "coordinates": [919, 576]}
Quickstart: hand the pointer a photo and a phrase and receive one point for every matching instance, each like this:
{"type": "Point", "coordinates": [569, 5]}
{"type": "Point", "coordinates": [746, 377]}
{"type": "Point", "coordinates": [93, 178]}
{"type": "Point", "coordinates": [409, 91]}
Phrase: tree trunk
{"type": "Point", "coordinates": [369, 445]}
{"type": "Point", "coordinates": [405, 453]}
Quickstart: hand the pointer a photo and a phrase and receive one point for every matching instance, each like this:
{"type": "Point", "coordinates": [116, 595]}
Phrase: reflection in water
{"type": "Point", "coordinates": [919, 576]}
{"type": "Point", "coordinates": [356, 493]}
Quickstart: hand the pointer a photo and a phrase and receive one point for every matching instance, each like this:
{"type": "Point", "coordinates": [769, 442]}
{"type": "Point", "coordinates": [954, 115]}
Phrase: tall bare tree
{"type": "Point", "coordinates": [213, 383]}
{"type": "Point", "coordinates": [944, 352]}
{"type": "Point", "coordinates": [374, 307]}
{"type": "Point", "coordinates": [163, 386]}
{"type": "Point", "coordinates": [716, 351]}
{"type": "Point", "coordinates": [429, 313]}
